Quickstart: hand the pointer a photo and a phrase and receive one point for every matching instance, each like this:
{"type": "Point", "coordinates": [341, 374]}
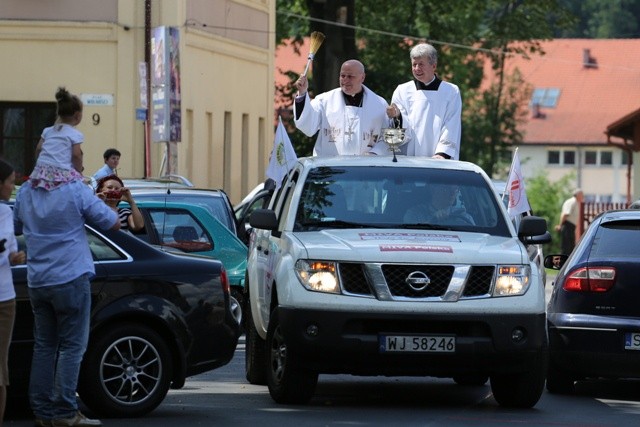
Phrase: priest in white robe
{"type": "Point", "coordinates": [429, 108]}
{"type": "Point", "coordinates": [349, 119]}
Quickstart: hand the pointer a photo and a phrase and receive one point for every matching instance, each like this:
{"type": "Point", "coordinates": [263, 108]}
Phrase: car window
{"type": "Point", "coordinates": [215, 204]}
{"type": "Point", "coordinates": [618, 239]}
{"type": "Point", "coordinates": [100, 250]}
{"type": "Point", "coordinates": [260, 202]}
{"type": "Point", "coordinates": [285, 197]}
{"type": "Point", "coordinates": [22, 246]}
{"type": "Point", "coordinates": [178, 228]}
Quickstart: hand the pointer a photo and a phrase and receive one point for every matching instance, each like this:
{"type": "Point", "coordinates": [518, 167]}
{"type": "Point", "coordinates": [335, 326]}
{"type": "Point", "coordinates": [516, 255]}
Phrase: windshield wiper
{"type": "Point", "coordinates": [338, 223]}
{"type": "Point", "coordinates": [426, 226]}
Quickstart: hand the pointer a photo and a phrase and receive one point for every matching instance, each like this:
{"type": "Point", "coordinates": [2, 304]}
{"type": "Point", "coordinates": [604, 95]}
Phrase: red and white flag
{"type": "Point", "coordinates": [518, 202]}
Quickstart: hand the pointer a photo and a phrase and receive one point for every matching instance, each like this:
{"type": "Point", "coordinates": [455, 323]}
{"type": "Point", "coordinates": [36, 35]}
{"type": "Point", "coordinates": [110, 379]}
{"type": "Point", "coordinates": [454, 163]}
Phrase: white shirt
{"type": "Point", "coordinates": [571, 210]}
{"type": "Point", "coordinates": [7, 292]}
{"type": "Point", "coordinates": [343, 129]}
{"type": "Point", "coordinates": [57, 146]}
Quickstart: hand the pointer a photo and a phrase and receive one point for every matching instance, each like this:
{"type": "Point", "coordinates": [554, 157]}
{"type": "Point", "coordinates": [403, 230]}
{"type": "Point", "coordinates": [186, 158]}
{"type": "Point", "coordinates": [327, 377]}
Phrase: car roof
{"type": "Point", "coordinates": [178, 190]}
{"type": "Point", "coordinates": [159, 182]}
{"type": "Point", "coordinates": [621, 214]}
{"type": "Point", "coordinates": [403, 161]}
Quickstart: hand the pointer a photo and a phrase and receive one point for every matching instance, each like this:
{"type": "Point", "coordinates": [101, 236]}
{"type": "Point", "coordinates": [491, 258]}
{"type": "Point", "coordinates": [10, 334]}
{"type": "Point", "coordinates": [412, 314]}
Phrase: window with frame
{"type": "Point", "coordinates": [625, 157]}
{"type": "Point", "coordinates": [545, 97]}
{"type": "Point", "coordinates": [569, 157]}
{"type": "Point", "coordinates": [100, 250]}
{"type": "Point", "coordinates": [179, 229]}
{"type": "Point", "coordinates": [590, 157]}
{"type": "Point", "coordinates": [21, 125]}
{"type": "Point", "coordinates": [606, 158]}
{"type": "Point", "coordinates": [561, 157]}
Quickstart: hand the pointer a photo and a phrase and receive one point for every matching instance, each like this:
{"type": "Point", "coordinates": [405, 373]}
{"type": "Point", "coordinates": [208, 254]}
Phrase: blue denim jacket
{"type": "Point", "coordinates": [53, 226]}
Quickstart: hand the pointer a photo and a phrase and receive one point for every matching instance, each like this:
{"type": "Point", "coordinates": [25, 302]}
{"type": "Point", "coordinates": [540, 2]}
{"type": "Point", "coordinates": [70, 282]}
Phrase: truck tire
{"type": "Point", "coordinates": [559, 382]}
{"type": "Point", "coordinates": [288, 382]}
{"type": "Point", "coordinates": [255, 356]}
{"type": "Point", "coordinates": [521, 390]}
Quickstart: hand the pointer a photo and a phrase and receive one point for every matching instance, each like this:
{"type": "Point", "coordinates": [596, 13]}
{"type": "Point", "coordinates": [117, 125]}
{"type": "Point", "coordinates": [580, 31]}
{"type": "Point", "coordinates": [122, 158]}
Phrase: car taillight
{"type": "Point", "coordinates": [225, 281]}
{"type": "Point", "coordinates": [593, 279]}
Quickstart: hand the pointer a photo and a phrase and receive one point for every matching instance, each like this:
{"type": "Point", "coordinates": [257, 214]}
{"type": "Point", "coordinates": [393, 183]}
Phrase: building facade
{"type": "Point", "coordinates": [579, 87]}
{"type": "Point", "coordinates": [95, 49]}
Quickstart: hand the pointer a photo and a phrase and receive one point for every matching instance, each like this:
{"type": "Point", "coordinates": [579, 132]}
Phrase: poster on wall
{"type": "Point", "coordinates": [165, 85]}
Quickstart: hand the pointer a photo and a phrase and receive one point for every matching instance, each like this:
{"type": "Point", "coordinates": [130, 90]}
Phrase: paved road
{"type": "Point", "coordinates": [223, 398]}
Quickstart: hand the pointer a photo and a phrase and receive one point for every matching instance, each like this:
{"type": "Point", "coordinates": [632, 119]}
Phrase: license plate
{"type": "Point", "coordinates": [417, 344]}
{"type": "Point", "coordinates": [632, 341]}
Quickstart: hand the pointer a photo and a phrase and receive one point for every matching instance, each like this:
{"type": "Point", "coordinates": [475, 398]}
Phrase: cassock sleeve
{"type": "Point", "coordinates": [308, 121]}
{"type": "Point", "coordinates": [449, 141]}
{"type": "Point", "coordinates": [398, 99]}
{"type": "Point", "coordinates": [299, 105]}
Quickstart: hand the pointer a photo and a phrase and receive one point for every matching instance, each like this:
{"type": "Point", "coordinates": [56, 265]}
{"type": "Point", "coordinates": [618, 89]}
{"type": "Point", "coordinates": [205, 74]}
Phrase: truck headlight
{"type": "Point", "coordinates": [512, 280]}
{"type": "Point", "coordinates": [320, 276]}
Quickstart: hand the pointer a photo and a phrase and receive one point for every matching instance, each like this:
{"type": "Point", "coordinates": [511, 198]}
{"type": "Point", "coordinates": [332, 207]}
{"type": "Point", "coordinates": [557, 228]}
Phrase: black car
{"type": "Point", "coordinates": [157, 318]}
{"type": "Point", "coordinates": [593, 313]}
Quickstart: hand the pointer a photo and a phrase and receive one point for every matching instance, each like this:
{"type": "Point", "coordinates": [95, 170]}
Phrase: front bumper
{"type": "Point", "coordinates": [348, 342]}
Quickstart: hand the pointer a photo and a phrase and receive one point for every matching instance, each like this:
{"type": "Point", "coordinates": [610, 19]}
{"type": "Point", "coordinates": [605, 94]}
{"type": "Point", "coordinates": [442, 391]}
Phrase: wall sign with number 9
{"type": "Point", "coordinates": [96, 119]}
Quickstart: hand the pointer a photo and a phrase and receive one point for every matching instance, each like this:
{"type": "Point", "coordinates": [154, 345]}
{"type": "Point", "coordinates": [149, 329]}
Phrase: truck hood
{"type": "Point", "coordinates": [398, 245]}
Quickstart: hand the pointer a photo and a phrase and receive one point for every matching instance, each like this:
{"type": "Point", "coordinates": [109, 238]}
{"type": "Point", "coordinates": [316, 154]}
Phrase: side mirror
{"type": "Point", "coordinates": [555, 262]}
{"type": "Point", "coordinates": [264, 219]}
{"type": "Point", "coordinates": [533, 230]}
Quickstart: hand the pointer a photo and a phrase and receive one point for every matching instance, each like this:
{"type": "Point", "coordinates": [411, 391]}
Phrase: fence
{"type": "Point", "coordinates": [589, 210]}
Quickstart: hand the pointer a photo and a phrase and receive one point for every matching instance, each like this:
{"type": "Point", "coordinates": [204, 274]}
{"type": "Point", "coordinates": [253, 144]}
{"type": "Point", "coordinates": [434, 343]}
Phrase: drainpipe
{"type": "Point", "coordinates": [147, 60]}
{"type": "Point", "coordinates": [629, 169]}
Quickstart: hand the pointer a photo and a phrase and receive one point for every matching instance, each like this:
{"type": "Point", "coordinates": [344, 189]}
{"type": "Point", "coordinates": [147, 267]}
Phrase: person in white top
{"type": "Point", "coordinates": [9, 255]}
{"type": "Point", "coordinates": [59, 155]}
{"type": "Point", "coordinates": [569, 219]}
{"type": "Point", "coordinates": [348, 119]}
{"type": "Point", "coordinates": [429, 108]}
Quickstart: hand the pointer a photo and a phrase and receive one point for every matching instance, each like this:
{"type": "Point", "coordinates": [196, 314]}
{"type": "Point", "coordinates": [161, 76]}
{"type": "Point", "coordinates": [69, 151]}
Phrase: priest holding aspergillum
{"type": "Point", "coordinates": [349, 119]}
{"type": "Point", "coordinates": [429, 108]}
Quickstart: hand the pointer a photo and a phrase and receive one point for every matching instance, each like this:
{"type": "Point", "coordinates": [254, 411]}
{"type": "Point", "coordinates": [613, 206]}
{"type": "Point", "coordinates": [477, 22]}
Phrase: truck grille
{"type": "Point", "coordinates": [396, 275]}
{"type": "Point", "coordinates": [356, 281]}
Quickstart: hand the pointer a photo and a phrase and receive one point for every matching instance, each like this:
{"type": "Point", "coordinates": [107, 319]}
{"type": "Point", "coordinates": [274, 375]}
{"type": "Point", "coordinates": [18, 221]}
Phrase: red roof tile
{"type": "Point", "coordinates": [591, 98]}
{"type": "Point", "coordinates": [288, 60]}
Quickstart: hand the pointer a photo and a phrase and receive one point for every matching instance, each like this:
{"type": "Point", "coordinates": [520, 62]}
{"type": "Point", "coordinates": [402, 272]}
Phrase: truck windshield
{"type": "Point", "coordinates": [391, 197]}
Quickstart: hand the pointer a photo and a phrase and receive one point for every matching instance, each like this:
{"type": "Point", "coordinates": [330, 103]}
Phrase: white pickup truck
{"type": "Point", "coordinates": [365, 266]}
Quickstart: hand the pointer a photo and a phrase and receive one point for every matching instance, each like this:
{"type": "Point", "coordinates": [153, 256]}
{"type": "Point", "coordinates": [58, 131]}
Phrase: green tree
{"type": "Point", "coordinates": [546, 198]}
{"type": "Point", "coordinates": [602, 19]}
{"type": "Point", "coordinates": [467, 35]}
